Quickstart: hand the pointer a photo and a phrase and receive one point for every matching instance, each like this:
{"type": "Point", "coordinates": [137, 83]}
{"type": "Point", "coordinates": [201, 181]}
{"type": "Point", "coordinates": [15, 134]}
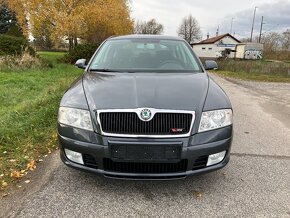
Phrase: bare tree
{"type": "Point", "coordinates": [245, 40]}
{"type": "Point", "coordinates": [272, 41]}
{"type": "Point", "coordinates": [286, 40]}
{"type": "Point", "coordinates": [149, 27]}
{"type": "Point", "coordinates": [189, 29]}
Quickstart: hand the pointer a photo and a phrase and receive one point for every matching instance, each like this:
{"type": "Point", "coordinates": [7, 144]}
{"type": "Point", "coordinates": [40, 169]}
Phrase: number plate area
{"type": "Point", "coordinates": [145, 152]}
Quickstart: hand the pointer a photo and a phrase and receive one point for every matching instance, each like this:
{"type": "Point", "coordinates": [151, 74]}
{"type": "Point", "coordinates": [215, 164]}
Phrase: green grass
{"type": "Point", "coordinates": [51, 56]}
{"type": "Point", "coordinates": [28, 111]}
{"type": "Point", "coordinates": [254, 76]}
{"type": "Point", "coordinates": [258, 70]}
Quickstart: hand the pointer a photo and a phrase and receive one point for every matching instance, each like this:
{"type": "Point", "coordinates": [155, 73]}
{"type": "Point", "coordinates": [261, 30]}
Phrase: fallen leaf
{"type": "Point", "coordinates": [16, 174]}
{"type": "Point", "coordinates": [4, 184]}
{"type": "Point", "coordinates": [54, 136]}
{"type": "Point", "coordinates": [198, 194]}
{"type": "Point", "coordinates": [31, 165]}
{"type": "Point", "coordinates": [27, 181]}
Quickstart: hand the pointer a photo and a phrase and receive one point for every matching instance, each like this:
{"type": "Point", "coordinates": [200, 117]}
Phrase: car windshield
{"type": "Point", "coordinates": [145, 55]}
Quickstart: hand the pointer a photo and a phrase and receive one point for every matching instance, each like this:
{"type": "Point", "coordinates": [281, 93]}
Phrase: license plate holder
{"type": "Point", "coordinates": [140, 152]}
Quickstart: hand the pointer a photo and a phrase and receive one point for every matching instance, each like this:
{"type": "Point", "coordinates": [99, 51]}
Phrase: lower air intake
{"type": "Point", "coordinates": [150, 168]}
{"type": "Point", "coordinates": [89, 161]}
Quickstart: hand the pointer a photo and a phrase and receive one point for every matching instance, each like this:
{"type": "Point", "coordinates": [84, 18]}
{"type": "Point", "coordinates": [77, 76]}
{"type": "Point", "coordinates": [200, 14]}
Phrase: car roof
{"type": "Point", "coordinates": [146, 36]}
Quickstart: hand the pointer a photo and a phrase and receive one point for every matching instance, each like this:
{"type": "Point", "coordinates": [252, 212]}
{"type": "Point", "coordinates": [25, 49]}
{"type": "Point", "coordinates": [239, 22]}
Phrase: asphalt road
{"type": "Point", "coordinates": [256, 182]}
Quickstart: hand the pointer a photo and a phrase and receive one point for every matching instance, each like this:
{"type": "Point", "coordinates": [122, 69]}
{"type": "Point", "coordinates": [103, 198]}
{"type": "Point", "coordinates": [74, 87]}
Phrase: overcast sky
{"type": "Point", "coordinates": [211, 13]}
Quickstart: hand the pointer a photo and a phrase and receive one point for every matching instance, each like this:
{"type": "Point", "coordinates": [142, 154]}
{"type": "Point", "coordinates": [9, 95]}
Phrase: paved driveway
{"type": "Point", "coordinates": [256, 183]}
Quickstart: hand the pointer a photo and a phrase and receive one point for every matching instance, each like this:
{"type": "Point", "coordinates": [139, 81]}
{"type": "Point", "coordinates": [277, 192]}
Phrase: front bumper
{"type": "Point", "coordinates": [98, 147]}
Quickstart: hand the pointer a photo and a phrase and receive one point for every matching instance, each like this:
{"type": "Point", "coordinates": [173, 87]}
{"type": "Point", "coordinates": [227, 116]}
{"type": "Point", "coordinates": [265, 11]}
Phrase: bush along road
{"type": "Point", "coordinates": [254, 184]}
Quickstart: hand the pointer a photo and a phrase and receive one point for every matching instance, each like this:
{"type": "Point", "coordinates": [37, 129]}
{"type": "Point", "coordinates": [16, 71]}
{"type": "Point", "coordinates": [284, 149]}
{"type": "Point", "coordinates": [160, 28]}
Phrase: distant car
{"type": "Point", "coordinates": [145, 108]}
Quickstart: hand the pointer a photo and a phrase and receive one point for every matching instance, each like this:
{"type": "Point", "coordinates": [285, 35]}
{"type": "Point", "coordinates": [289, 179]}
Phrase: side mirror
{"type": "Point", "coordinates": [211, 65]}
{"type": "Point", "coordinates": [81, 63]}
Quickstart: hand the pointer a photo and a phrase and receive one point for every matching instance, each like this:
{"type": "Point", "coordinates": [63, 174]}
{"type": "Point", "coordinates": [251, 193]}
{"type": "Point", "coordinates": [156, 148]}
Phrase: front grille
{"type": "Point", "coordinates": [152, 168]}
{"type": "Point", "coordinates": [89, 161]}
{"type": "Point", "coordinates": [200, 162]}
{"type": "Point", "coordinates": [130, 123]}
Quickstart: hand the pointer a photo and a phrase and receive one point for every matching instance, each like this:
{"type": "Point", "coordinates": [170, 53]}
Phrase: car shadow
{"type": "Point", "coordinates": [149, 189]}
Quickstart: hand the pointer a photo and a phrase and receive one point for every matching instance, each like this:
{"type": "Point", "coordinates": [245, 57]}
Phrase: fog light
{"type": "Point", "coordinates": [74, 156]}
{"type": "Point", "coordinates": [215, 158]}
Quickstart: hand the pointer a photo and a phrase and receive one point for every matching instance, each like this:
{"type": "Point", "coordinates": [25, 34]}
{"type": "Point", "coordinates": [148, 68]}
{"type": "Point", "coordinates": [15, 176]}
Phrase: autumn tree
{"type": "Point", "coordinates": [148, 27]}
{"type": "Point", "coordinates": [88, 20]}
{"type": "Point", "coordinates": [43, 35]}
{"type": "Point", "coordinates": [111, 17]}
{"type": "Point", "coordinates": [189, 29]}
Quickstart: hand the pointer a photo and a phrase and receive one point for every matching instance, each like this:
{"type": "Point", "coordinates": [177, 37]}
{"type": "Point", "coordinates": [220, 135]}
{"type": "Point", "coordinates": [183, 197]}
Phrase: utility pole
{"type": "Point", "coordinates": [261, 28]}
{"type": "Point", "coordinates": [253, 23]}
{"type": "Point", "coordinates": [232, 25]}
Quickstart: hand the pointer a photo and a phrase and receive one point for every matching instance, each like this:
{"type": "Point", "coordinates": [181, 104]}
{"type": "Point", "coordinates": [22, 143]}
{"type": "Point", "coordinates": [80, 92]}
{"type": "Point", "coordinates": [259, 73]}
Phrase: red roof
{"type": "Point", "coordinates": [215, 39]}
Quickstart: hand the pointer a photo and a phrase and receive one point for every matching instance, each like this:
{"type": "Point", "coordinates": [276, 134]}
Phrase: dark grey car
{"type": "Point", "coordinates": [145, 108]}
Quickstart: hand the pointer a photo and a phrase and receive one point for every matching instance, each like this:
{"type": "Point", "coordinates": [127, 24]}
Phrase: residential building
{"type": "Point", "coordinates": [216, 47]}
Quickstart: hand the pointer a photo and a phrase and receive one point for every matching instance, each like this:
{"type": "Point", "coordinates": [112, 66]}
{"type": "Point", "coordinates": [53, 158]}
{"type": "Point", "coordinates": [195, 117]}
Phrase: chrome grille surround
{"type": "Point", "coordinates": [138, 111]}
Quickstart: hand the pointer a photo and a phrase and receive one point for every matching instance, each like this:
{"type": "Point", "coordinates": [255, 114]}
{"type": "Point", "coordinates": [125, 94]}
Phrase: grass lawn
{"type": "Point", "coordinates": [51, 56]}
{"type": "Point", "coordinates": [28, 111]}
{"type": "Point", "coordinates": [254, 76]}
{"type": "Point", "coordinates": [258, 70]}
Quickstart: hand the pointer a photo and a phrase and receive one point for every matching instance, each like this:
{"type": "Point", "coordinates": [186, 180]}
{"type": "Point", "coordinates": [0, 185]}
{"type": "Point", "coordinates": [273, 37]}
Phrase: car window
{"type": "Point", "coordinates": [138, 55]}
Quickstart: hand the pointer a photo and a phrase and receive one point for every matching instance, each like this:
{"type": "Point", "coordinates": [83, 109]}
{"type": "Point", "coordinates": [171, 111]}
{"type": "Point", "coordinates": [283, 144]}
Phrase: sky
{"type": "Point", "coordinates": [213, 13]}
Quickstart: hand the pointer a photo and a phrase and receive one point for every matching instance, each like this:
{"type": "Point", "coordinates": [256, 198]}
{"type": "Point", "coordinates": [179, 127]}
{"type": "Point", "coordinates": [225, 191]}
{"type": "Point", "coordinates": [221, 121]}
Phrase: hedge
{"type": "Point", "coordinates": [85, 51]}
{"type": "Point", "coordinates": [11, 45]}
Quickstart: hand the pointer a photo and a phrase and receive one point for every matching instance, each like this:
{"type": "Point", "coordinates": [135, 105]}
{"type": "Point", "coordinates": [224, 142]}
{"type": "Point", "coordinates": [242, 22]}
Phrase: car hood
{"type": "Point", "coordinates": [178, 91]}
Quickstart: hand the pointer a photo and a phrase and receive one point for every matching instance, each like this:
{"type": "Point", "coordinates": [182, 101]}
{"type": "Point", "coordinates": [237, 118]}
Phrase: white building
{"type": "Point", "coordinates": [215, 47]}
{"type": "Point", "coordinates": [253, 51]}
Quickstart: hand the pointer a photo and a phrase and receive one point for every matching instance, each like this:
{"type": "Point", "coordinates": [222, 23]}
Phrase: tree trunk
{"type": "Point", "coordinates": [71, 43]}
{"type": "Point", "coordinates": [75, 41]}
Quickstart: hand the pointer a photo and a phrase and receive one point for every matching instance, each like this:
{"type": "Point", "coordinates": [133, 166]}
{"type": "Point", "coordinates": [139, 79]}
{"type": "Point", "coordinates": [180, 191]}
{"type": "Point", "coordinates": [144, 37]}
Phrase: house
{"type": "Point", "coordinates": [215, 47]}
{"type": "Point", "coordinates": [253, 51]}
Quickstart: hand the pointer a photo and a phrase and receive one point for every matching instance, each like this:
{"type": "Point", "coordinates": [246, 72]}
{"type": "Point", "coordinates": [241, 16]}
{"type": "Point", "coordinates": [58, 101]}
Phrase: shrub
{"type": "Point", "coordinates": [22, 62]}
{"type": "Point", "coordinates": [11, 45]}
{"type": "Point", "coordinates": [85, 51]}
{"type": "Point", "coordinates": [255, 66]}
{"type": "Point", "coordinates": [277, 55]}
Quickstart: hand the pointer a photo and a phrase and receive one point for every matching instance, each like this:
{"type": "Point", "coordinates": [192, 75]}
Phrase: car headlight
{"type": "Point", "coordinates": [215, 119]}
{"type": "Point", "coordinates": [75, 117]}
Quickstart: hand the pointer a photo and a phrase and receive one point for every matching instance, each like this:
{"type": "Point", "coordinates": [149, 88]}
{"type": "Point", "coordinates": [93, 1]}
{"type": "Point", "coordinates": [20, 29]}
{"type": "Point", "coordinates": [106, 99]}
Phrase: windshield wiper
{"type": "Point", "coordinates": [110, 70]}
{"type": "Point", "coordinates": [103, 70]}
